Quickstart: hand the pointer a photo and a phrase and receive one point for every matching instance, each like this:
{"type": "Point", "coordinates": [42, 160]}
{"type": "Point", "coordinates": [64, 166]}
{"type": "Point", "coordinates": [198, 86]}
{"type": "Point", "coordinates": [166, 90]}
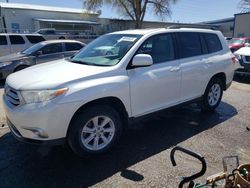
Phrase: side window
{"type": "Point", "coordinates": [16, 39]}
{"type": "Point", "coordinates": [213, 42]}
{"type": "Point", "coordinates": [73, 46]}
{"type": "Point", "coordinates": [52, 48]}
{"type": "Point", "coordinates": [190, 44]}
{"type": "Point", "coordinates": [160, 47]}
{"type": "Point", "coordinates": [3, 40]}
{"type": "Point", "coordinates": [35, 39]}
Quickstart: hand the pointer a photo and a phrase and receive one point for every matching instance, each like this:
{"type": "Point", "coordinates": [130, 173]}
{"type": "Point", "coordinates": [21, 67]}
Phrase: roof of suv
{"type": "Point", "coordinates": [21, 34]}
{"type": "Point", "coordinates": [60, 41]}
{"type": "Point", "coordinates": [147, 31]}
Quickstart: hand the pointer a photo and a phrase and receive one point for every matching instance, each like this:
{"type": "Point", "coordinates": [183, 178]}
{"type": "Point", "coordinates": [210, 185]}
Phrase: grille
{"type": "Point", "coordinates": [247, 58]}
{"type": "Point", "coordinates": [12, 96]}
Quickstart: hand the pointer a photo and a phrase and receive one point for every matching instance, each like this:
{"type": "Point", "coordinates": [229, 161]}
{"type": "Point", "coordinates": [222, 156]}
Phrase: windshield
{"type": "Point", "coordinates": [236, 41]}
{"type": "Point", "coordinates": [107, 50]}
{"type": "Point", "coordinates": [32, 49]}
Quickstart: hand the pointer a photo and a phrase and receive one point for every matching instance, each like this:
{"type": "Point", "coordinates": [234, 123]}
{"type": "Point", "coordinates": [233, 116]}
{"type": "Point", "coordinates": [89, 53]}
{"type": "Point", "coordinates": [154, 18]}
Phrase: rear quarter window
{"type": "Point", "coordinates": [35, 39]}
{"type": "Point", "coordinates": [213, 42]}
{"type": "Point", "coordinates": [3, 40]}
{"type": "Point", "coordinates": [16, 39]}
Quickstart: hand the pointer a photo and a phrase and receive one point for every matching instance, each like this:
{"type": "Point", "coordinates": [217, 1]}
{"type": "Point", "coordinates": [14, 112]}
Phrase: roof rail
{"type": "Point", "coordinates": [197, 26]}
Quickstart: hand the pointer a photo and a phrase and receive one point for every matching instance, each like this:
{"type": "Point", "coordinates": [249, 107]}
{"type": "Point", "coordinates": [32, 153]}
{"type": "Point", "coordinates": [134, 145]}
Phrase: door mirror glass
{"type": "Point", "coordinates": [142, 60]}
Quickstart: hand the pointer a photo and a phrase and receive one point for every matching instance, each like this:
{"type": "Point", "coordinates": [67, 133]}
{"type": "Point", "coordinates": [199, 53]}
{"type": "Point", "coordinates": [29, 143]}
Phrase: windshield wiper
{"type": "Point", "coordinates": [86, 63]}
{"type": "Point", "coordinates": [79, 61]}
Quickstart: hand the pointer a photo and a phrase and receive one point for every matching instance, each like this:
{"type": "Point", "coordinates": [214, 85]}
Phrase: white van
{"type": "Point", "coordinates": [11, 43]}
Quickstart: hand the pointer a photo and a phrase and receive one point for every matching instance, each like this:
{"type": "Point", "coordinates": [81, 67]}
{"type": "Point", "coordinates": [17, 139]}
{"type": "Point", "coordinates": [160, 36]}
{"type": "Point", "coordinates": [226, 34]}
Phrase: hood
{"type": "Point", "coordinates": [51, 75]}
{"type": "Point", "coordinates": [235, 45]}
{"type": "Point", "coordinates": [245, 51]}
{"type": "Point", "coordinates": [12, 57]}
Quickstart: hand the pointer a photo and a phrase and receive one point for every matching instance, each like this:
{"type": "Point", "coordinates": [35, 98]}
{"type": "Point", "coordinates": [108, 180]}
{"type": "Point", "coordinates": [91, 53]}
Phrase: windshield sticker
{"type": "Point", "coordinates": [128, 39]}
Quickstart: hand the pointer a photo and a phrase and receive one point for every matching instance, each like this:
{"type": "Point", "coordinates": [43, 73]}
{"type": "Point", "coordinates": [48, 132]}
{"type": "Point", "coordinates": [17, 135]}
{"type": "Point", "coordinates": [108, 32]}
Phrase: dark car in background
{"type": "Point", "coordinates": [237, 43]}
{"type": "Point", "coordinates": [39, 53]}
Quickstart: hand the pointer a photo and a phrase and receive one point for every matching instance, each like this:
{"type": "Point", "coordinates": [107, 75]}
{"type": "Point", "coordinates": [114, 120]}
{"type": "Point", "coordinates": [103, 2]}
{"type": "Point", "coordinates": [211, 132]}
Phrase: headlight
{"type": "Point", "coordinates": [238, 56]}
{"type": "Point", "coordinates": [3, 64]}
{"type": "Point", "coordinates": [36, 96]}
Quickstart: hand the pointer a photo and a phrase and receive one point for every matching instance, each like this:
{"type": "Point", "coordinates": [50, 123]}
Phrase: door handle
{"type": "Point", "coordinates": [175, 69]}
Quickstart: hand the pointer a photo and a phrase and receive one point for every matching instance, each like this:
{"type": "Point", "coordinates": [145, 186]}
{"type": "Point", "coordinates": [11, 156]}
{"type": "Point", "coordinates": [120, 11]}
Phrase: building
{"type": "Point", "coordinates": [226, 26]}
{"type": "Point", "coordinates": [29, 18]}
{"type": "Point", "coordinates": [242, 25]}
{"type": "Point", "coordinates": [111, 25]}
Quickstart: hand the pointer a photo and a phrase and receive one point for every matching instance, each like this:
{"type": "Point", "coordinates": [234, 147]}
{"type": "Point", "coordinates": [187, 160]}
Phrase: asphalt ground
{"type": "Point", "coordinates": [142, 157]}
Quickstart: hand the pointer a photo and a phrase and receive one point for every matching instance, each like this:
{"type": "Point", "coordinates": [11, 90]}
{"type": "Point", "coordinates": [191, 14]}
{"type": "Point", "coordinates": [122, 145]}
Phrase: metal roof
{"type": "Point", "coordinates": [220, 21]}
{"type": "Point", "coordinates": [67, 21]}
{"type": "Point", "coordinates": [45, 8]}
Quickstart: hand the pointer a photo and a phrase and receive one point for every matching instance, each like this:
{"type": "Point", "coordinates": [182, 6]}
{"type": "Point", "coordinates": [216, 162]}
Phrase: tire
{"type": "Point", "coordinates": [86, 128]}
{"type": "Point", "coordinates": [61, 38]}
{"type": "Point", "coordinates": [213, 94]}
{"type": "Point", "coordinates": [21, 67]}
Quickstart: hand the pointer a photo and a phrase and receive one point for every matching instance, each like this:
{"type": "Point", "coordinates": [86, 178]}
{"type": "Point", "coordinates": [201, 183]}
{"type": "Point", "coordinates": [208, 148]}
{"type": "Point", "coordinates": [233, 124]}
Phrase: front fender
{"type": "Point", "coordinates": [84, 92]}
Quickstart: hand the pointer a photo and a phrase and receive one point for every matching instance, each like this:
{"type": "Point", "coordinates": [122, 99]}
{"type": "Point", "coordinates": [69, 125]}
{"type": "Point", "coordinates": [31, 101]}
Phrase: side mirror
{"type": "Point", "coordinates": [142, 60]}
{"type": "Point", "coordinates": [38, 53]}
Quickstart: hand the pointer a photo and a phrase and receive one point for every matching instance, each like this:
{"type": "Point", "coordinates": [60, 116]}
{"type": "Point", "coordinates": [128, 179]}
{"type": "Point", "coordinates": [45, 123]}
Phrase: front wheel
{"type": "Point", "coordinates": [94, 130]}
{"type": "Point", "coordinates": [213, 94]}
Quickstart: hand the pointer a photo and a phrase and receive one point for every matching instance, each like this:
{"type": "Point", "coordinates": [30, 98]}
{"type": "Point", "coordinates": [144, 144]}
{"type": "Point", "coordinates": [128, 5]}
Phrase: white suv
{"type": "Point", "coordinates": [88, 99]}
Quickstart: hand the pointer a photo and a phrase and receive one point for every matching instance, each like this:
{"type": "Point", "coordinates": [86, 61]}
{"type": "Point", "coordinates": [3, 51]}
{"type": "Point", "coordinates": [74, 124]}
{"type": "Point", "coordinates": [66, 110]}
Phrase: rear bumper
{"type": "Point", "coordinates": [242, 71]}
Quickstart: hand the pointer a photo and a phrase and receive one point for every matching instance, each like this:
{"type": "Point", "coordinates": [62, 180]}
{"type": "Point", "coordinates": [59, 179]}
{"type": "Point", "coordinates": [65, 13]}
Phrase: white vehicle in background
{"type": "Point", "coordinates": [12, 43]}
{"type": "Point", "coordinates": [53, 34]}
{"type": "Point", "coordinates": [87, 100]}
{"type": "Point", "coordinates": [243, 55]}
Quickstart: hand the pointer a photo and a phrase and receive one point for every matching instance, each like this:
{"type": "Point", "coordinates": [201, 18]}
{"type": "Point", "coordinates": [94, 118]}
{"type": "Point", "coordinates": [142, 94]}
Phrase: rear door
{"type": "Point", "coordinates": [50, 52]}
{"type": "Point", "coordinates": [4, 47]}
{"type": "Point", "coordinates": [194, 64]}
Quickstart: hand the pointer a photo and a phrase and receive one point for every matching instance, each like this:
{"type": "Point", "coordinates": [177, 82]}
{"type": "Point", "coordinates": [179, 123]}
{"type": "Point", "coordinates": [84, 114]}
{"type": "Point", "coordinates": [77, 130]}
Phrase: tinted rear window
{"type": "Point", "coordinates": [213, 42]}
{"type": "Point", "coordinates": [190, 44]}
{"type": "Point", "coordinates": [73, 46]}
{"type": "Point", "coordinates": [16, 39]}
{"type": "Point", "coordinates": [52, 48]}
{"type": "Point", "coordinates": [35, 39]}
{"type": "Point", "coordinates": [3, 40]}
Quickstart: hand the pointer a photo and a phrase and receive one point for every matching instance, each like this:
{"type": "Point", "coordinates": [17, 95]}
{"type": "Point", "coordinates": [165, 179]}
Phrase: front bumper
{"type": "Point", "coordinates": [19, 137]}
{"type": "Point", "coordinates": [51, 118]}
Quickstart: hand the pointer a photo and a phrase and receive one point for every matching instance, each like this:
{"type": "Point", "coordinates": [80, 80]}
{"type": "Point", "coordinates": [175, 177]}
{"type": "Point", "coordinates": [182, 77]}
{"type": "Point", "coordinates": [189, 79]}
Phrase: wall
{"type": "Point", "coordinates": [242, 25]}
{"type": "Point", "coordinates": [25, 18]}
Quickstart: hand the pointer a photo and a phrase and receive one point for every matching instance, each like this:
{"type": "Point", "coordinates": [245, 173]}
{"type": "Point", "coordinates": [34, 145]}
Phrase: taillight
{"type": "Point", "coordinates": [234, 60]}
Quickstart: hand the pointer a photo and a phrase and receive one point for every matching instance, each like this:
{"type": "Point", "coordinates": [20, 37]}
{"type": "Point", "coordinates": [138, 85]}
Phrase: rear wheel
{"type": "Point", "coordinates": [95, 130]}
{"type": "Point", "coordinates": [213, 94]}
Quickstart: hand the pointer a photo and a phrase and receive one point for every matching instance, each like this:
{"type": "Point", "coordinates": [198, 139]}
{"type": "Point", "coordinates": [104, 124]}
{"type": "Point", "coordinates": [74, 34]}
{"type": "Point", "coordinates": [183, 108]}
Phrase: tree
{"type": "Point", "coordinates": [244, 5]}
{"type": "Point", "coordinates": [134, 9]}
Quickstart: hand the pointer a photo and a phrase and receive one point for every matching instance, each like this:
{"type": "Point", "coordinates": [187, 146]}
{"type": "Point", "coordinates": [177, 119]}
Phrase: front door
{"type": "Point", "coordinates": [158, 86]}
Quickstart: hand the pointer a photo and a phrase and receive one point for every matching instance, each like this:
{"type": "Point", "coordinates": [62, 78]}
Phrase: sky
{"type": "Point", "coordinates": [185, 11]}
